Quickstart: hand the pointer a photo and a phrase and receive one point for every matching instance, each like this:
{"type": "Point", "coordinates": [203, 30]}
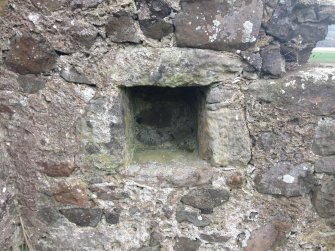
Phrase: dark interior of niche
{"type": "Point", "coordinates": [163, 119]}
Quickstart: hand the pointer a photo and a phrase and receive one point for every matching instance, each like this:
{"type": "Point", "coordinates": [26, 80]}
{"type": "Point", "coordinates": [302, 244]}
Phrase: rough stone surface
{"type": "Point", "coordinates": [218, 25]}
{"type": "Point", "coordinates": [324, 140]}
{"type": "Point", "coordinates": [30, 83]}
{"type": "Point", "coordinates": [155, 28]}
{"type": "Point", "coordinates": [214, 238]}
{"type": "Point", "coordinates": [85, 3]}
{"type": "Point", "coordinates": [113, 216]}
{"type": "Point", "coordinates": [324, 198]}
{"type": "Point", "coordinates": [185, 244]}
{"type": "Point", "coordinates": [205, 199]}
{"type": "Point", "coordinates": [229, 137]}
{"type": "Point", "coordinates": [54, 132]}
{"type": "Point", "coordinates": [325, 165]}
{"type": "Point", "coordinates": [121, 27]}
{"type": "Point", "coordinates": [172, 67]}
{"type": "Point", "coordinates": [59, 169]}
{"type": "Point", "coordinates": [272, 61]}
{"type": "Point", "coordinates": [193, 218]}
{"type": "Point", "coordinates": [70, 74]}
{"type": "Point", "coordinates": [285, 179]}
{"type": "Point", "coordinates": [71, 194]}
{"type": "Point", "coordinates": [83, 217]}
{"type": "Point", "coordinates": [29, 55]}
{"type": "Point", "coordinates": [268, 236]}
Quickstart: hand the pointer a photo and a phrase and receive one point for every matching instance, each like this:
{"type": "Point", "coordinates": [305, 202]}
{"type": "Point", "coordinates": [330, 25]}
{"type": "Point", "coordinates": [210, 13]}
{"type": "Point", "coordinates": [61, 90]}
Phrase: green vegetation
{"type": "Point", "coordinates": [24, 247]}
{"type": "Point", "coordinates": [323, 57]}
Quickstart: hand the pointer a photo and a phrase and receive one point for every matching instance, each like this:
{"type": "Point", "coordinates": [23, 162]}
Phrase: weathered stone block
{"type": "Point", "coordinates": [324, 139]}
{"type": "Point", "coordinates": [285, 179]}
{"type": "Point", "coordinates": [121, 27]}
{"type": "Point", "coordinates": [214, 238]}
{"type": "Point", "coordinates": [30, 56]}
{"type": "Point", "coordinates": [171, 67]}
{"type": "Point", "coordinates": [311, 90]}
{"type": "Point", "coordinates": [193, 218]}
{"type": "Point", "coordinates": [58, 169]}
{"type": "Point", "coordinates": [268, 236]}
{"type": "Point", "coordinates": [30, 83]}
{"type": "Point", "coordinates": [325, 165]}
{"type": "Point", "coordinates": [70, 74]}
{"type": "Point", "coordinates": [218, 25]}
{"type": "Point", "coordinates": [83, 217]}
{"type": "Point", "coordinates": [155, 28]}
{"type": "Point", "coordinates": [185, 244]}
{"type": "Point", "coordinates": [272, 61]}
{"type": "Point", "coordinates": [71, 194]}
{"type": "Point", "coordinates": [205, 199]}
{"type": "Point", "coordinates": [324, 198]}
{"type": "Point", "coordinates": [229, 142]}
{"type": "Point", "coordinates": [113, 216]}
{"type": "Point", "coordinates": [85, 3]}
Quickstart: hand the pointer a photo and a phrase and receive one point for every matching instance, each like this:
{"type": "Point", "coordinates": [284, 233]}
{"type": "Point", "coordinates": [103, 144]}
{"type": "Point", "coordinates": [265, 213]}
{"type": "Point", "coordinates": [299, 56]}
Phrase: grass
{"type": "Point", "coordinates": [322, 57]}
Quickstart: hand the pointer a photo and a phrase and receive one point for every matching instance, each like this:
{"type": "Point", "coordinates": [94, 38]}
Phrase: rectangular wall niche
{"type": "Point", "coordinates": [162, 122]}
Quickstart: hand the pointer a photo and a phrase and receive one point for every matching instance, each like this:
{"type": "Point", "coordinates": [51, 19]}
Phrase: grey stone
{"type": "Point", "coordinates": [205, 199]}
{"type": "Point", "coordinates": [272, 61]}
{"type": "Point", "coordinates": [327, 13]}
{"type": "Point", "coordinates": [113, 216]}
{"type": "Point", "coordinates": [85, 3]}
{"type": "Point", "coordinates": [325, 165]}
{"type": "Point", "coordinates": [296, 53]}
{"type": "Point", "coordinates": [253, 59]}
{"type": "Point", "coordinates": [285, 179]}
{"type": "Point", "coordinates": [155, 239]}
{"type": "Point", "coordinates": [229, 142]}
{"type": "Point", "coordinates": [306, 15]}
{"type": "Point", "coordinates": [214, 238]}
{"type": "Point", "coordinates": [49, 5]}
{"type": "Point", "coordinates": [310, 90]}
{"type": "Point", "coordinates": [30, 56]}
{"type": "Point", "coordinates": [324, 139]}
{"type": "Point", "coordinates": [83, 217]}
{"type": "Point", "coordinates": [172, 67]}
{"type": "Point", "coordinates": [49, 215]}
{"type": "Point", "coordinates": [281, 25]}
{"type": "Point", "coordinates": [192, 217]}
{"type": "Point", "coordinates": [30, 83]}
{"type": "Point", "coordinates": [108, 192]}
{"type": "Point", "coordinates": [218, 25]}
{"type": "Point", "coordinates": [70, 74]}
{"type": "Point", "coordinates": [121, 27]}
{"type": "Point", "coordinates": [185, 244]}
{"type": "Point", "coordinates": [324, 198]}
{"type": "Point", "coordinates": [84, 35]}
{"type": "Point", "coordinates": [312, 33]}
{"type": "Point", "coordinates": [159, 8]}
{"type": "Point", "coordinates": [155, 28]}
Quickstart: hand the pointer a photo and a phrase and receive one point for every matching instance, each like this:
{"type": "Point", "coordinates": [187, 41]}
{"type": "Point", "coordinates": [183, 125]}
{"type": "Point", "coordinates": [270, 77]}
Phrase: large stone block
{"type": "Point", "coordinates": [324, 139]}
{"type": "Point", "coordinates": [228, 138]}
{"type": "Point", "coordinates": [311, 90]}
{"type": "Point", "coordinates": [171, 67]}
{"type": "Point", "coordinates": [29, 55]}
{"type": "Point", "coordinates": [206, 199]}
{"type": "Point", "coordinates": [285, 179]}
{"type": "Point", "coordinates": [218, 25]}
{"type": "Point", "coordinates": [324, 198]}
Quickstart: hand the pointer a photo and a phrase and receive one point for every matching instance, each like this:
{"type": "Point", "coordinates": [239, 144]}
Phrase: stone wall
{"type": "Point", "coordinates": [263, 173]}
